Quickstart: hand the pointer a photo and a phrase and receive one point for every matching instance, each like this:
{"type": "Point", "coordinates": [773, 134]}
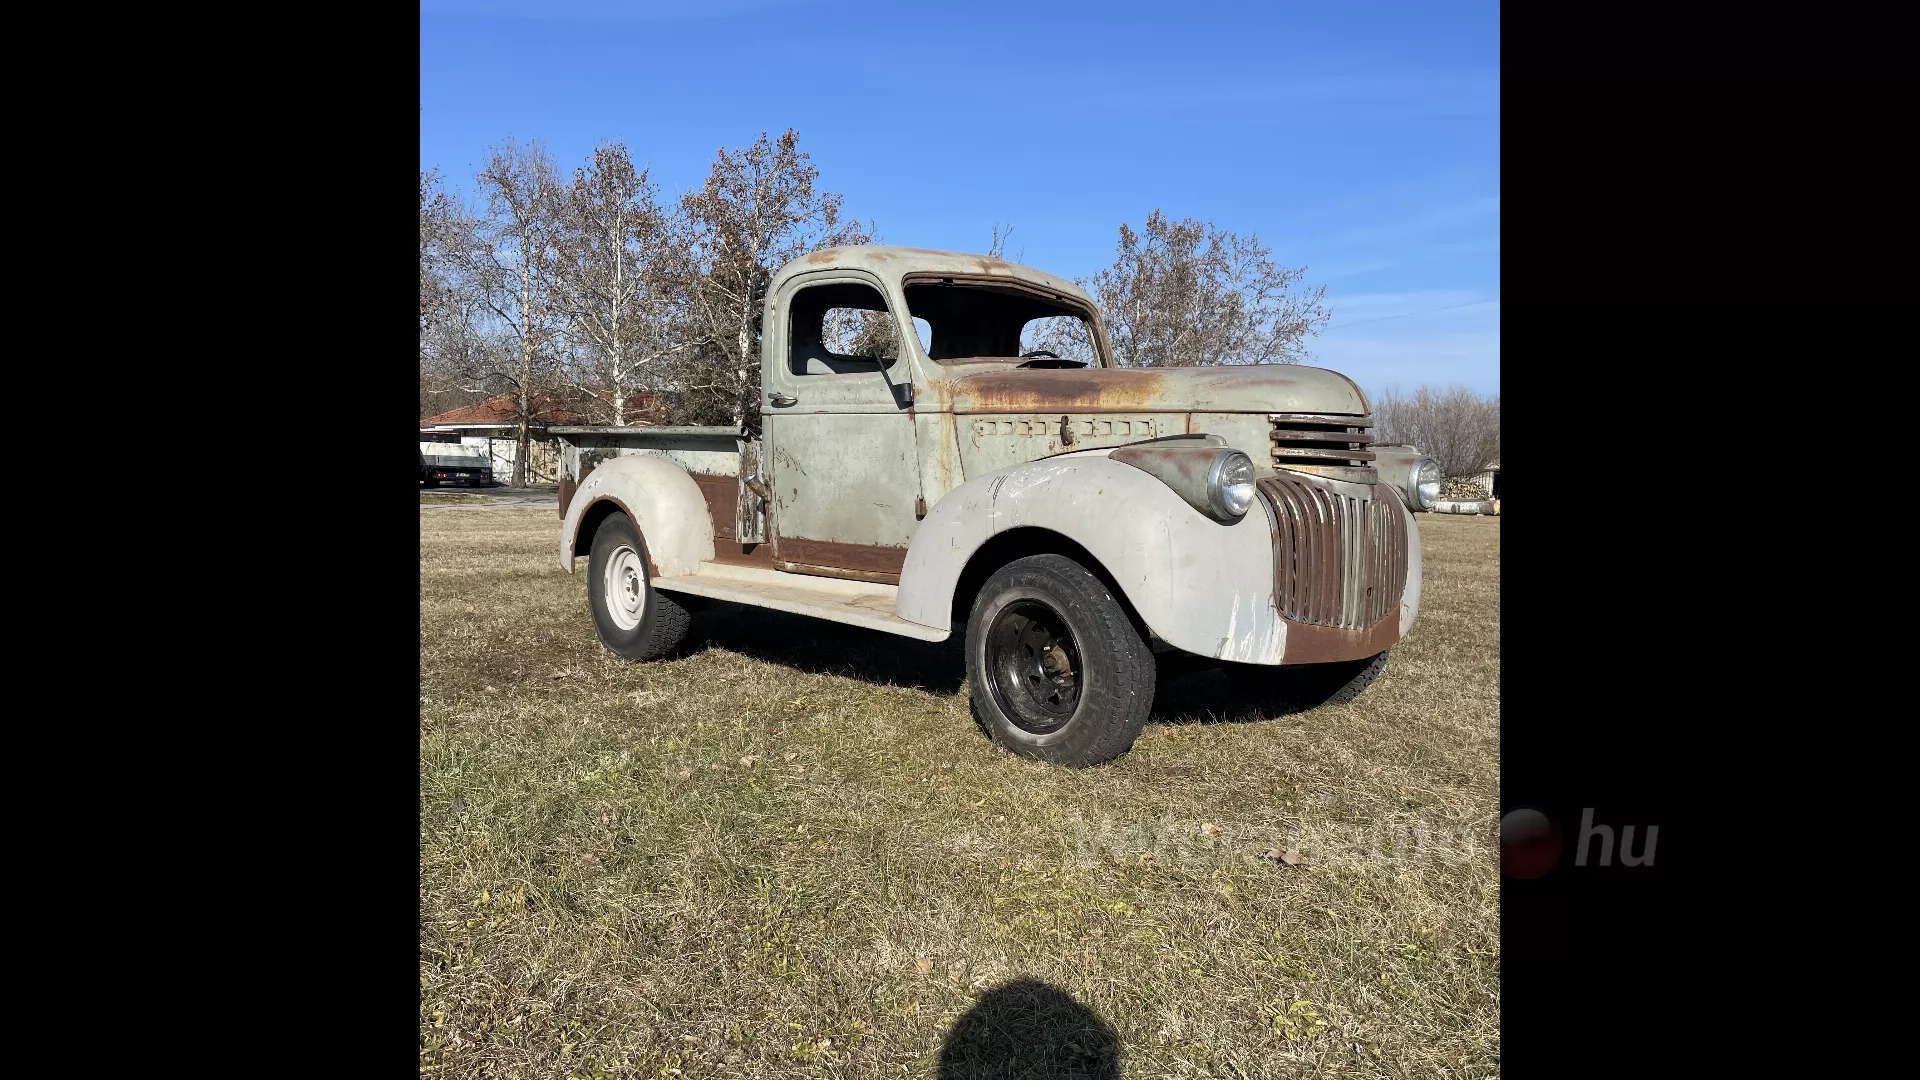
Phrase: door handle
{"type": "Point", "coordinates": [779, 400]}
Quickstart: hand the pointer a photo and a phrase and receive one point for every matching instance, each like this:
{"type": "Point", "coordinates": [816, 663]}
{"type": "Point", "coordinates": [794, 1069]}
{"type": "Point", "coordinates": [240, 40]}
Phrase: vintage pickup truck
{"type": "Point", "coordinates": [1059, 513]}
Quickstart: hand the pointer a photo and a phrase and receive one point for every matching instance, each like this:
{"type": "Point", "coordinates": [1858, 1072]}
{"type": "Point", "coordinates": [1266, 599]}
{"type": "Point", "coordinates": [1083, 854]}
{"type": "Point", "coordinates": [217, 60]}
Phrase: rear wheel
{"type": "Point", "coordinates": [1058, 670]}
{"type": "Point", "coordinates": [633, 619]}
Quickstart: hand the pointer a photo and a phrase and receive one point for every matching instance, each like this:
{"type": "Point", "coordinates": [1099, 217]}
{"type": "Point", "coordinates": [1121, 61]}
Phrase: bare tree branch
{"type": "Point", "coordinates": [1185, 293]}
{"type": "Point", "coordinates": [1455, 426]}
{"type": "Point", "coordinates": [757, 211]}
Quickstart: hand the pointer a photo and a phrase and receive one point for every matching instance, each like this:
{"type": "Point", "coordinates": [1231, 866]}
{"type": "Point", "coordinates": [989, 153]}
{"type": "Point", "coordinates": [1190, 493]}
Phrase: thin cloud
{"type": "Point", "coordinates": [1354, 268]}
{"type": "Point", "coordinates": [1470, 210]}
{"type": "Point", "coordinates": [1369, 305]}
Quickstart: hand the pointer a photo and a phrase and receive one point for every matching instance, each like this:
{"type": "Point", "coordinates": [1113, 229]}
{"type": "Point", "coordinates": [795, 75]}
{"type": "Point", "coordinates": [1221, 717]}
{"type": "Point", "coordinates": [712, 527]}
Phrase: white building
{"type": "Point", "coordinates": [490, 426]}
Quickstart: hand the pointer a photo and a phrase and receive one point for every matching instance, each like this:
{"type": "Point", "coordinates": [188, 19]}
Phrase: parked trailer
{"type": "Point", "coordinates": [451, 463]}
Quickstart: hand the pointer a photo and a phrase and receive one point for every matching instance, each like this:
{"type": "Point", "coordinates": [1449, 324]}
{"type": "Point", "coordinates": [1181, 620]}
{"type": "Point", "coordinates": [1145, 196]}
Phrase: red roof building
{"type": "Point", "coordinates": [500, 411]}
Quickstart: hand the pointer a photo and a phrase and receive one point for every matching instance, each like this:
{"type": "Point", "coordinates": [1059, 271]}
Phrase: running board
{"type": "Point", "coordinates": [856, 603]}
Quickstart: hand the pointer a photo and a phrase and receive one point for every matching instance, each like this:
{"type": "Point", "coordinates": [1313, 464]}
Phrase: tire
{"type": "Point", "coordinates": [1058, 670]}
{"type": "Point", "coordinates": [1300, 687]}
{"type": "Point", "coordinates": [632, 618]}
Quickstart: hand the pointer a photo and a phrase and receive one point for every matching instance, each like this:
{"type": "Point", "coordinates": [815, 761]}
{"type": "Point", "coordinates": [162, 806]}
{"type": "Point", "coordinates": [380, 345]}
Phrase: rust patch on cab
{"type": "Point", "coordinates": [1073, 390]}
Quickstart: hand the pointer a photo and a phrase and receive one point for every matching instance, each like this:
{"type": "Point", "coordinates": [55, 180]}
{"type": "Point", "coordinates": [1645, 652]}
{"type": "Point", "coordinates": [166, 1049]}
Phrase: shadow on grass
{"type": "Point", "coordinates": [1190, 689]}
{"type": "Point", "coordinates": [1028, 1028]}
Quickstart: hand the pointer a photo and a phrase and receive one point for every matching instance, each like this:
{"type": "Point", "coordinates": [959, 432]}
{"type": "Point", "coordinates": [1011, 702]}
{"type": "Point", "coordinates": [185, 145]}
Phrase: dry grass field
{"type": "Point", "coordinates": [789, 851]}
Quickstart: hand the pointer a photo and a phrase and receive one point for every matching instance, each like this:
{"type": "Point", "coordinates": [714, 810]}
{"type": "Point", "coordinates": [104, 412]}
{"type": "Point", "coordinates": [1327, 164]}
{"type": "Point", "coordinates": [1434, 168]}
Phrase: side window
{"type": "Point", "coordinates": [840, 328]}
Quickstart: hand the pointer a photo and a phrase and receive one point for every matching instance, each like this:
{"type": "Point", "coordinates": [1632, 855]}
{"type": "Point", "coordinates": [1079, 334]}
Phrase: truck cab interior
{"type": "Point", "coordinates": [990, 319]}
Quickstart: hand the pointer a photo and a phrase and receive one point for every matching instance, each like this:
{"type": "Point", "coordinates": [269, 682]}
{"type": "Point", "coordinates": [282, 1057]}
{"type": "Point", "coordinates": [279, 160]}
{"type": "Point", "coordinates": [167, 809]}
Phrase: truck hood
{"type": "Point", "coordinates": [1258, 388]}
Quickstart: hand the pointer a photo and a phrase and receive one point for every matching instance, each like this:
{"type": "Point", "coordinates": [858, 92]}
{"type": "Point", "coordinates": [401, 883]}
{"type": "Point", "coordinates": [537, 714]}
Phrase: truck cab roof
{"type": "Point", "coordinates": [891, 263]}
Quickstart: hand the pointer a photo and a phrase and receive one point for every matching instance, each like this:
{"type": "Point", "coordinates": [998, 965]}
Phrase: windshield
{"type": "Point", "coordinates": [960, 319]}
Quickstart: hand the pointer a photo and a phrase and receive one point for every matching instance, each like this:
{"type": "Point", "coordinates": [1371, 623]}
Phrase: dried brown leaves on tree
{"type": "Point", "coordinates": [1185, 293]}
{"type": "Point", "coordinates": [758, 210]}
{"type": "Point", "coordinates": [1455, 426]}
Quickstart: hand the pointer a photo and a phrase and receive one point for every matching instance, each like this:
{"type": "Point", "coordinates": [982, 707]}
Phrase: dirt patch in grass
{"type": "Point", "coordinates": [447, 498]}
{"type": "Point", "coordinates": [789, 851]}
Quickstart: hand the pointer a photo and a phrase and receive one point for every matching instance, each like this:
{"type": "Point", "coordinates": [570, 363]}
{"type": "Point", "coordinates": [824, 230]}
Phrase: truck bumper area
{"type": "Point", "coordinates": [1309, 644]}
{"type": "Point", "coordinates": [1343, 557]}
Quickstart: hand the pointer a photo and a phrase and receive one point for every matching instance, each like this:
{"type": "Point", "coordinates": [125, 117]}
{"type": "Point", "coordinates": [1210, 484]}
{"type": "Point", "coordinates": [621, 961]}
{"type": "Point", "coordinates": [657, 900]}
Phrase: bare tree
{"type": "Point", "coordinates": [998, 250]}
{"type": "Point", "coordinates": [435, 209]}
{"type": "Point", "coordinates": [618, 281]}
{"type": "Point", "coordinates": [757, 210]}
{"type": "Point", "coordinates": [1455, 426]}
{"type": "Point", "coordinates": [1185, 293]}
{"type": "Point", "coordinates": [451, 315]}
{"type": "Point", "coordinates": [511, 259]}
{"type": "Point", "coordinates": [457, 352]}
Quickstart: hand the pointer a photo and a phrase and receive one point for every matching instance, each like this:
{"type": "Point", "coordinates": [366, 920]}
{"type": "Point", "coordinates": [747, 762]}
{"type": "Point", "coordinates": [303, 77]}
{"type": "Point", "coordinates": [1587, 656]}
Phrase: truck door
{"type": "Point", "coordinates": [840, 455]}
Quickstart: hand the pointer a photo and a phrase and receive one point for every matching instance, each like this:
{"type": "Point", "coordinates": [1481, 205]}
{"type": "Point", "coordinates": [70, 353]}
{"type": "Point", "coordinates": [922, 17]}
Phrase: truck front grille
{"type": "Point", "coordinates": [1320, 439]}
{"type": "Point", "coordinates": [1339, 558]}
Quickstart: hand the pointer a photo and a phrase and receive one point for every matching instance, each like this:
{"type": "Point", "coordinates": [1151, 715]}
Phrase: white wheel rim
{"type": "Point", "coordinates": [625, 588]}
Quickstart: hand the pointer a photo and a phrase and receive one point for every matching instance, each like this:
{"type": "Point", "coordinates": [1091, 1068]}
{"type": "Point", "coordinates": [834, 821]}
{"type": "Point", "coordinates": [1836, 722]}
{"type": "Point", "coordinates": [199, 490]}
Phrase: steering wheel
{"type": "Point", "coordinates": [1044, 358]}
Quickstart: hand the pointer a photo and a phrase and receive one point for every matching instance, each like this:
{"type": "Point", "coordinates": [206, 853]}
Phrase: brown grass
{"type": "Point", "coordinates": [790, 851]}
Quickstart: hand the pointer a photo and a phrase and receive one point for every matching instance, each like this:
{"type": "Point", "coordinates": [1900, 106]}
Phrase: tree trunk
{"type": "Point", "coordinates": [526, 359]}
{"type": "Point", "coordinates": [740, 373]}
{"type": "Point", "coordinates": [520, 450]}
{"type": "Point", "coordinates": [524, 439]}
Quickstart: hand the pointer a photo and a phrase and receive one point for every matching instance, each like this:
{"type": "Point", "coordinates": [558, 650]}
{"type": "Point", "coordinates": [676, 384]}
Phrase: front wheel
{"type": "Point", "coordinates": [1057, 669]}
{"type": "Point", "coordinates": [633, 619]}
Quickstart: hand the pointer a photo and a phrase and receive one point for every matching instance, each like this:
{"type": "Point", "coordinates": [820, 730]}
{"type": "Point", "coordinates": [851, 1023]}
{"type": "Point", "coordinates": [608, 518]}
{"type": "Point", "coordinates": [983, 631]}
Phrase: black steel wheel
{"type": "Point", "coordinates": [1057, 669]}
{"type": "Point", "coordinates": [1034, 666]}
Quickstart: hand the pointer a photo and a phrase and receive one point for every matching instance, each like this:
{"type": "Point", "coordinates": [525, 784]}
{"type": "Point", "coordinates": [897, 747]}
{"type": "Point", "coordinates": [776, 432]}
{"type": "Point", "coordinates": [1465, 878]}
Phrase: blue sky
{"type": "Point", "coordinates": [1360, 139]}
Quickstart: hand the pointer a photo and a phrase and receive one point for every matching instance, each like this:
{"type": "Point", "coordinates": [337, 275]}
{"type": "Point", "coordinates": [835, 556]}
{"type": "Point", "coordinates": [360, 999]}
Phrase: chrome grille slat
{"type": "Point", "coordinates": [1340, 559]}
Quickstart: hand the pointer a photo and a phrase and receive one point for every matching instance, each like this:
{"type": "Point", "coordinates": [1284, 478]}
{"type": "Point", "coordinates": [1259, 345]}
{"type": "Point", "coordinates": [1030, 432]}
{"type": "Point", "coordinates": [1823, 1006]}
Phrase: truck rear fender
{"type": "Point", "coordinates": [1199, 585]}
{"type": "Point", "coordinates": [661, 498]}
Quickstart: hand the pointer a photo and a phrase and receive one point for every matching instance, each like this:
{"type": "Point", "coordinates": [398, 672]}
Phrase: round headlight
{"type": "Point", "coordinates": [1230, 484]}
{"type": "Point", "coordinates": [1427, 481]}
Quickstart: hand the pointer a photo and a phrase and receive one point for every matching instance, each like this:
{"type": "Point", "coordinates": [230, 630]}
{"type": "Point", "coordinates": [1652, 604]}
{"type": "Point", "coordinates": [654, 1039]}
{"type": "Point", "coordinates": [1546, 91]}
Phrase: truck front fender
{"type": "Point", "coordinates": [1199, 585]}
{"type": "Point", "coordinates": [1410, 598]}
{"type": "Point", "coordinates": [662, 499]}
